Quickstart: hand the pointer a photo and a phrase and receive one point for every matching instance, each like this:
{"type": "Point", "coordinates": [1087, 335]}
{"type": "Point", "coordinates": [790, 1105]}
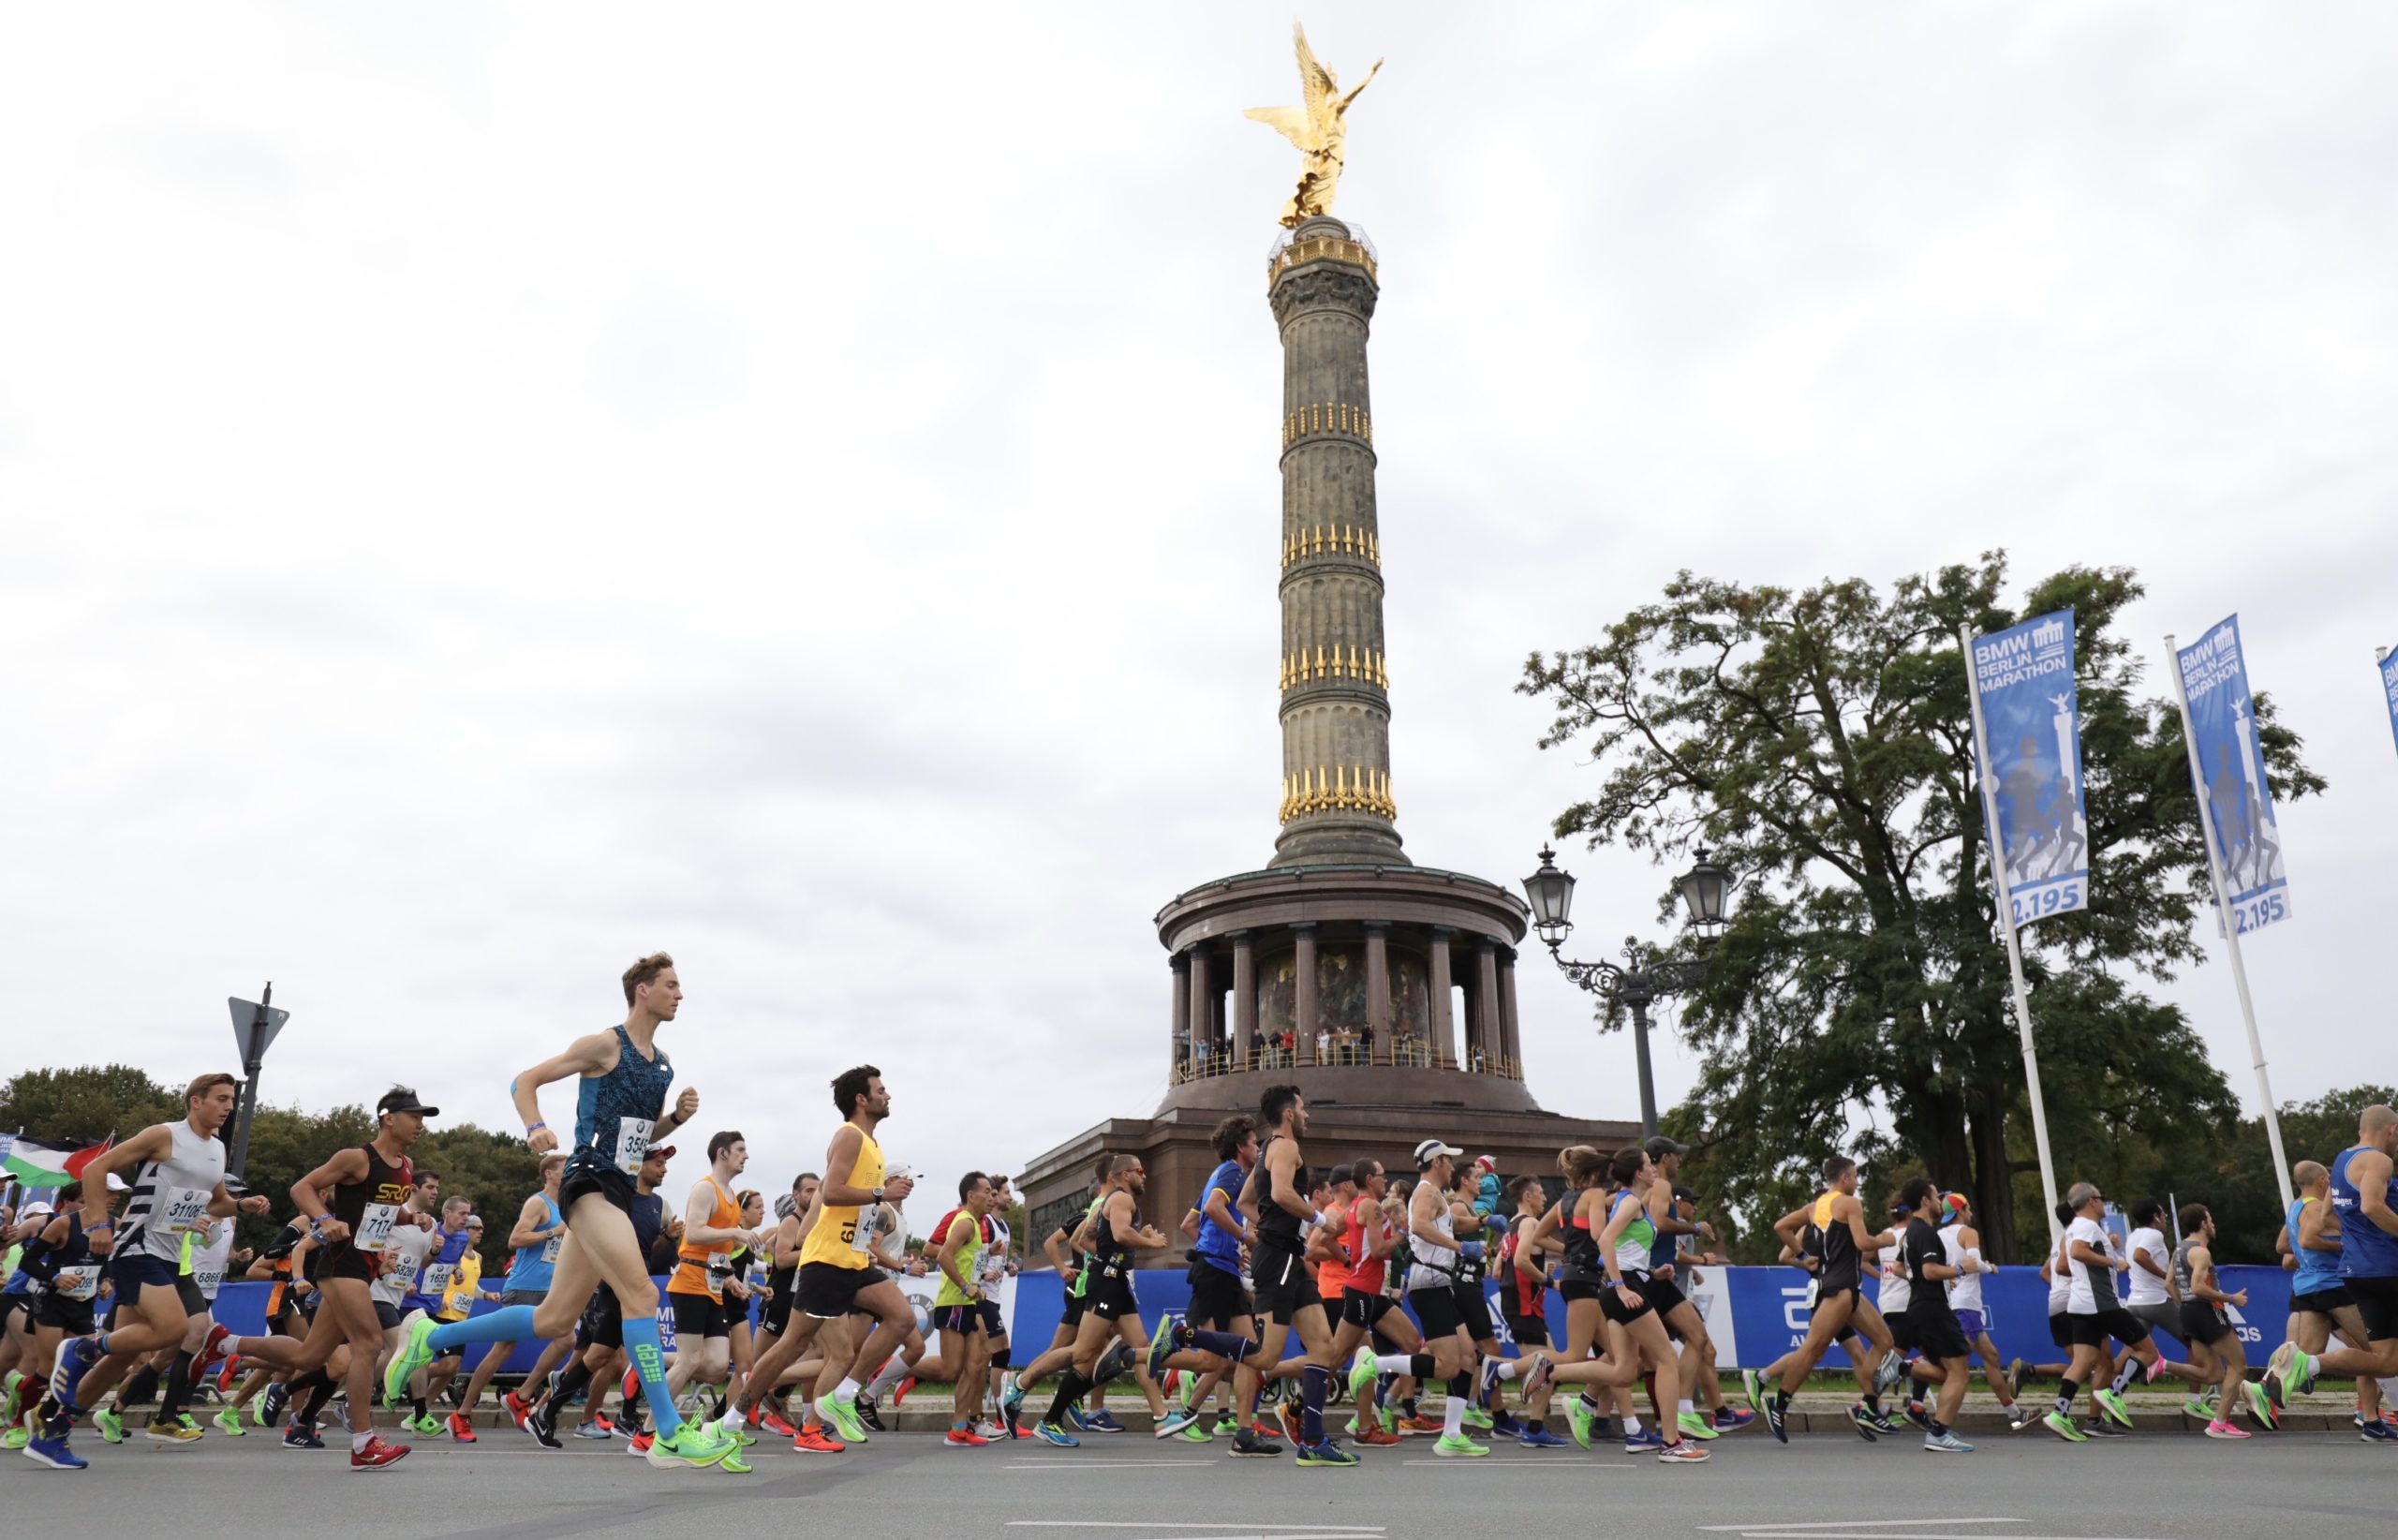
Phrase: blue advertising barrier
{"type": "Point", "coordinates": [1754, 1314]}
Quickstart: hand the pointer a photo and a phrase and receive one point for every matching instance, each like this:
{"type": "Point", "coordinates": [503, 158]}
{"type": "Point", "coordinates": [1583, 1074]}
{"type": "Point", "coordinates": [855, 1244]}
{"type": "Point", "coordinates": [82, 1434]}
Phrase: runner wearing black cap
{"type": "Point", "coordinates": [1683, 1323]}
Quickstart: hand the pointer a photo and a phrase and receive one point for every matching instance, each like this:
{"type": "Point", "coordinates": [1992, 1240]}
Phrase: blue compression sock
{"type": "Point", "coordinates": [649, 1362]}
{"type": "Point", "coordinates": [1224, 1344]}
{"type": "Point", "coordinates": [1314, 1380]}
{"type": "Point", "coordinates": [511, 1323]}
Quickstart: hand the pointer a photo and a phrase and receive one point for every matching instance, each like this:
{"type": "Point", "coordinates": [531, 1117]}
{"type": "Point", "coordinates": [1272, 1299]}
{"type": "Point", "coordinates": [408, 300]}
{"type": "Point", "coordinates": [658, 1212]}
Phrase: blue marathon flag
{"type": "Point", "coordinates": [2389, 689]}
{"type": "Point", "coordinates": [2032, 727]}
{"type": "Point", "coordinates": [2232, 771]}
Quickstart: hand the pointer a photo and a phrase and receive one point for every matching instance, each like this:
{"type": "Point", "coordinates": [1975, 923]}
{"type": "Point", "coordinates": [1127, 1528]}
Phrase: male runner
{"type": "Point", "coordinates": [601, 1333]}
{"type": "Point", "coordinates": [2202, 1323]}
{"type": "Point", "coordinates": [1285, 1295]}
{"type": "Point", "coordinates": [1523, 1300]}
{"type": "Point", "coordinates": [1370, 1236]}
{"type": "Point", "coordinates": [957, 1307]}
{"type": "Point", "coordinates": [1930, 1319]}
{"type": "Point", "coordinates": [712, 1231]}
{"type": "Point", "coordinates": [2319, 1302]}
{"type": "Point", "coordinates": [2364, 1197]}
{"type": "Point", "coordinates": [836, 1275]}
{"type": "Point", "coordinates": [1837, 1221]}
{"type": "Point", "coordinates": [620, 1110]}
{"type": "Point", "coordinates": [1219, 1300]}
{"type": "Point", "coordinates": [178, 1184]}
{"type": "Point", "coordinates": [1074, 1270]}
{"type": "Point", "coordinates": [356, 1204]}
{"type": "Point", "coordinates": [1684, 1322]}
{"type": "Point", "coordinates": [446, 1249]}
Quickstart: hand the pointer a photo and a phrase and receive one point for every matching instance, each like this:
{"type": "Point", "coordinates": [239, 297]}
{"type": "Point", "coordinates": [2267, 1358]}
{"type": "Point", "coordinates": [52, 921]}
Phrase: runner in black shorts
{"type": "Point", "coordinates": [1286, 1295]}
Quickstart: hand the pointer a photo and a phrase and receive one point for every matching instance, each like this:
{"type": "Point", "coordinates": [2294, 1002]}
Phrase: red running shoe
{"type": "Point", "coordinates": [631, 1387]}
{"type": "Point", "coordinates": [1376, 1436]}
{"type": "Point", "coordinates": [460, 1428]}
{"type": "Point", "coordinates": [964, 1438]}
{"type": "Point", "coordinates": [376, 1455]}
{"type": "Point", "coordinates": [774, 1423]}
{"type": "Point", "coordinates": [899, 1391]}
{"type": "Point", "coordinates": [518, 1407]}
{"type": "Point", "coordinates": [813, 1439]}
{"type": "Point", "coordinates": [225, 1376]}
{"type": "Point", "coordinates": [639, 1443]}
{"type": "Point", "coordinates": [211, 1349]}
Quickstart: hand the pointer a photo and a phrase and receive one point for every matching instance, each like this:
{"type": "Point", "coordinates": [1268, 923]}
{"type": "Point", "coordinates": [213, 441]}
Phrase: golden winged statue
{"type": "Point", "coordinates": [1319, 129]}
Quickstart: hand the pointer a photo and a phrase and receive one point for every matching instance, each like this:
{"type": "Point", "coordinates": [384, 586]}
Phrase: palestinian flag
{"type": "Point", "coordinates": [39, 1164]}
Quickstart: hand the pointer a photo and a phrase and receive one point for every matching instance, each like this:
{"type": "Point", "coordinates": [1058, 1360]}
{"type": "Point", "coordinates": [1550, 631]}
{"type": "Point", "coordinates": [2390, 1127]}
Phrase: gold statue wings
{"type": "Point", "coordinates": [1320, 129]}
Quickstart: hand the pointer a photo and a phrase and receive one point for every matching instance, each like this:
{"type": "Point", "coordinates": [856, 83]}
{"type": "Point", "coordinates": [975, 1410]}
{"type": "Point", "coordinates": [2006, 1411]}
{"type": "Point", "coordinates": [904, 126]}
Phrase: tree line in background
{"type": "Point", "coordinates": [84, 1105]}
{"type": "Point", "coordinates": [81, 1107]}
{"type": "Point", "coordinates": [1818, 741]}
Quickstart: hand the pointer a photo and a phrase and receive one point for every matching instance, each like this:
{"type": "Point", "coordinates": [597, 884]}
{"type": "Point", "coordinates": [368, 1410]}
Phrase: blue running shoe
{"type": "Point", "coordinates": [1729, 1420]}
{"type": "Point", "coordinates": [1774, 1420]}
{"type": "Point", "coordinates": [1541, 1438]}
{"type": "Point", "coordinates": [75, 1360]}
{"type": "Point", "coordinates": [2375, 1430]}
{"type": "Point", "coordinates": [1102, 1422]}
{"type": "Point", "coordinates": [1646, 1439]}
{"type": "Point", "coordinates": [1504, 1426]}
{"type": "Point", "coordinates": [1486, 1379]}
{"type": "Point", "coordinates": [54, 1453]}
{"type": "Point", "coordinates": [301, 1435]}
{"type": "Point", "coordinates": [1049, 1432]}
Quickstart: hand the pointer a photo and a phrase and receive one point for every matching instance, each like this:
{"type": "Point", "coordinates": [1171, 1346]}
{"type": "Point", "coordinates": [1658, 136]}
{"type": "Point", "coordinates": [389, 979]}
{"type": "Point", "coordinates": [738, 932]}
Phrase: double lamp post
{"type": "Point", "coordinates": [1705, 890]}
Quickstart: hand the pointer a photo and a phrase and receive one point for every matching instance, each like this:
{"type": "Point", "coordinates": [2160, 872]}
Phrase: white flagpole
{"type": "Point", "coordinates": [2014, 949]}
{"type": "Point", "coordinates": [2230, 927]}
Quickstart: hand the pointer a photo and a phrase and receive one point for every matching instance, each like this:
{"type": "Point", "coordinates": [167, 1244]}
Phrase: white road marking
{"type": "Point", "coordinates": [1849, 1524]}
{"type": "Point", "coordinates": [1770, 1533]}
{"type": "Point", "coordinates": [1130, 1524]}
{"type": "Point", "coordinates": [1840, 1524]}
{"type": "Point", "coordinates": [1527, 1464]}
{"type": "Point", "coordinates": [1115, 1465]}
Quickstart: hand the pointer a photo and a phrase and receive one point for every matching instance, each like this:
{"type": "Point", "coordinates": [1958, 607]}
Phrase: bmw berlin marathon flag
{"type": "Point", "coordinates": [2031, 725]}
{"type": "Point", "coordinates": [2232, 770]}
{"type": "Point", "coordinates": [2389, 689]}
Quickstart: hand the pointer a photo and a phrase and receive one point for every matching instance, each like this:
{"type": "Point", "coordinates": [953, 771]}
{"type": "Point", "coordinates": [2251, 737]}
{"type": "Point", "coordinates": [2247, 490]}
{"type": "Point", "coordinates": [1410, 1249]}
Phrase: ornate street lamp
{"type": "Point", "coordinates": [1705, 890]}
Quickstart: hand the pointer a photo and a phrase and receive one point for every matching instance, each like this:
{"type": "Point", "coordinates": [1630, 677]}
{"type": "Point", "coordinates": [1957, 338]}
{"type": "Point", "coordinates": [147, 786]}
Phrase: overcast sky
{"type": "Point", "coordinates": [490, 491]}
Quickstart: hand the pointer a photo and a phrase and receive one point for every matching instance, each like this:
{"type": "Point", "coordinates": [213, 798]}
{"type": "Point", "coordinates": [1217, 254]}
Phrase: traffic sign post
{"type": "Point", "coordinates": [255, 1025]}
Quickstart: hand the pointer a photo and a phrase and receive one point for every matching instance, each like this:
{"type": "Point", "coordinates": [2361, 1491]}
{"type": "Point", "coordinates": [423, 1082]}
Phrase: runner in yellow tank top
{"type": "Point", "coordinates": [837, 1273]}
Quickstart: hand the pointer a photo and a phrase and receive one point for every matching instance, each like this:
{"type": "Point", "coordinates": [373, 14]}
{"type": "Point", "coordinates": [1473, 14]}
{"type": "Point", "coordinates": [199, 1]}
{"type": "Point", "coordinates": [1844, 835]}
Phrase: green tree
{"type": "Point", "coordinates": [1818, 741]}
{"type": "Point", "coordinates": [86, 1104]}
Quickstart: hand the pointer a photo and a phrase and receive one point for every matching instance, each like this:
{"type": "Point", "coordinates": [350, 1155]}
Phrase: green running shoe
{"type": "Point", "coordinates": [1694, 1426]}
{"type": "Point", "coordinates": [844, 1417]}
{"type": "Point", "coordinates": [414, 1354]}
{"type": "Point", "coordinates": [1457, 1446]}
{"type": "Point", "coordinates": [229, 1422]}
{"type": "Point", "coordinates": [1476, 1418]}
{"type": "Point", "coordinates": [2061, 1425]}
{"type": "Point", "coordinates": [2193, 1407]}
{"type": "Point", "coordinates": [14, 1438]}
{"type": "Point", "coordinates": [1227, 1426]}
{"type": "Point", "coordinates": [2260, 1406]}
{"type": "Point", "coordinates": [1197, 1433]}
{"type": "Point", "coordinates": [692, 1444]}
{"type": "Point", "coordinates": [1361, 1377]}
{"type": "Point", "coordinates": [112, 1427]}
{"type": "Point", "coordinates": [1578, 1421]}
{"type": "Point", "coordinates": [2112, 1405]}
{"type": "Point", "coordinates": [1754, 1387]}
{"type": "Point", "coordinates": [735, 1463]}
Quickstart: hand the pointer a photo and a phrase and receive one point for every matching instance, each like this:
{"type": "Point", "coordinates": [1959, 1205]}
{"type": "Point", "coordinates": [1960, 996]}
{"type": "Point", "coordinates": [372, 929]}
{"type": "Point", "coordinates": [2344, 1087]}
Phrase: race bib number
{"type": "Point", "coordinates": [398, 1271]}
{"type": "Point", "coordinates": [869, 1223]}
{"type": "Point", "coordinates": [632, 1143]}
{"type": "Point", "coordinates": [436, 1278]}
{"type": "Point", "coordinates": [185, 1208]}
{"type": "Point", "coordinates": [1813, 1286]}
{"type": "Point", "coordinates": [550, 1247]}
{"type": "Point", "coordinates": [373, 1232]}
{"type": "Point", "coordinates": [209, 1282]}
{"type": "Point", "coordinates": [719, 1268]}
{"type": "Point", "coordinates": [77, 1283]}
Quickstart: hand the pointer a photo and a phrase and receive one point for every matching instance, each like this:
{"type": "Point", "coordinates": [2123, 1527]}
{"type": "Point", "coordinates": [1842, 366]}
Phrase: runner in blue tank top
{"type": "Point", "coordinates": [2320, 1301]}
{"type": "Point", "coordinates": [537, 1238]}
{"type": "Point", "coordinates": [2364, 1196]}
{"type": "Point", "coordinates": [619, 1111]}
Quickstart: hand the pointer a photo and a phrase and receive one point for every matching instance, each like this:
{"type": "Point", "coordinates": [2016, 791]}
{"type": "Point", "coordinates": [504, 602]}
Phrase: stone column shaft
{"type": "Point", "coordinates": [1178, 1029]}
{"type": "Point", "coordinates": [1202, 1014]}
{"type": "Point", "coordinates": [1508, 1029]}
{"type": "Point", "coordinates": [1303, 963]}
{"type": "Point", "coordinates": [1486, 999]}
{"type": "Point", "coordinates": [1444, 1033]}
{"type": "Point", "coordinates": [1378, 984]}
{"type": "Point", "coordinates": [1244, 989]}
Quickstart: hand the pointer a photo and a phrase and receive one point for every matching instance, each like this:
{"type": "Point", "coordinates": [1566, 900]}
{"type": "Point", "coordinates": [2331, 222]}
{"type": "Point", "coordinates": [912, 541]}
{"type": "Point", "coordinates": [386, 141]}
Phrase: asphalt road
{"type": "Point", "coordinates": [2149, 1486]}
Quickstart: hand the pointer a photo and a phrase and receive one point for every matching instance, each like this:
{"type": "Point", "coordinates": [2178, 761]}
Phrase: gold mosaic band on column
{"type": "Point", "coordinates": [1361, 664]}
{"type": "Point", "coordinates": [1340, 541]}
{"type": "Point", "coordinates": [1319, 248]}
{"type": "Point", "coordinates": [1337, 789]}
{"type": "Point", "coordinates": [1327, 417]}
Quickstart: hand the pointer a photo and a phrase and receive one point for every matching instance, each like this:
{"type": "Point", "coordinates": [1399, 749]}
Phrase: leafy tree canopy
{"type": "Point", "coordinates": [1818, 742]}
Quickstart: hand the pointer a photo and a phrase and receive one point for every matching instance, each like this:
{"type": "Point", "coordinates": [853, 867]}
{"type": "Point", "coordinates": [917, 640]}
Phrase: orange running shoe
{"type": "Point", "coordinates": [813, 1439]}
